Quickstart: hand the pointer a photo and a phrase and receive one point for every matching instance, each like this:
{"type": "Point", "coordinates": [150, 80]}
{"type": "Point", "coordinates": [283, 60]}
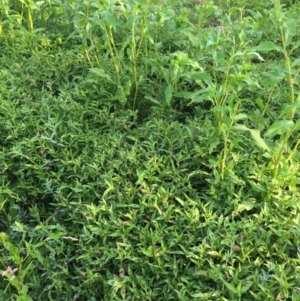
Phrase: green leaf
{"type": "Point", "coordinates": [221, 109]}
{"type": "Point", "coordinates": [199, 99]}
{"type": "Point", "coordinates": [121, 96]}
{"type": "Point", "coordinates": [2, 202]}
{"type": "Point", "coordinates": [258, 56]}
{"type": "Point", "coordinates": [212, 145]}
{"type": "Point", "coordinates": [297, 126]}
{"type": "Point", "coordinates": [24, 298]}
{"type": "Point", "coordinates": [240, 116]}
{"type": "Point", "coordinates": [213, 253]}
{"type": "Point", "coordinates": [186, 94]}
{"type": "Point", "coordinates": [245, 206]}
{"type": "Point", "coordinates": [274, 76]}
{"type": "Point", "coordinates": [109, 17]}
{"type": "Point", "coordinates": [279, 127]}
{"type": "Point", "coordinates": [56, 235]}
{"type": "Point", "coordinates": [260, 103]}
{"type": "Point", "coordinates": [246, 287]}
{"type": "Point", "coordinates": [24, 290]}
{"type": "Point", "coordinates": [184, 60]}
{"type": "Point", "coordinates": [295, 46]}
{"type": "Point", "coordinates": [266, 46]}
{"type": "Point", "coordinates": [290, 31]}
{"type": "Point", "coordinates": [241, 127]}
{"type": "Point", "coordinates": [100, 73]}
{"type": "Point", "coordinates": [255, 134]}
{"type": "Point", "coordinates": [258, 140]}
{"type": "Point", "coordinates": [199, 295]}
{"type": "Point", "coordinates": [168, 94]}
{"type": "Point", "coordinates": [36, 254]}
{"type": "Point", "coordinates": [229, 286]}
{"type": "Point", "coordinates": [199, 76]}
{"type": "Point", "coordinates": [296, 63]}
{"type": "Point", "coordinates": [14, 252]}
{"type": "Point", "coordinates": [153, 100]}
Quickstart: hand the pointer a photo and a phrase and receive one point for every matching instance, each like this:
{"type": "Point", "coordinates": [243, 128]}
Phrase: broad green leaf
{"type": "Point", "coordinates": [221, 109]}
{"type": "Point", "coordinates": [213, 145]}
{"type": "Point", "coordinates": [241, 127]}
{"type": "Point", "coordinates": [229, 286]}
{"type": "Point", "coordinates": [4, 237]}
{"type": "Point", "coordinates": [266, 47]}
{"type": "Point", "coordinates": [14, 252]}
{"type": "Point", "coordinates": [185, 94]}
{"type": "Point", "coordinates": [168, 94]}
{"type": "Point", "coordinates": [2, 202]}
{"type": "Point", "coordinates": [240, 116]}
{"type": "Point", "coordinates": [245, 206]}
{"type": "Point", "coordinates": [121, 96]}
{"type": "Point", "coordinates": [213, 253]}
{"type": "Point", "coordinates": [181, 202]}
{"type": "Point", "coordinates": [258, 56]}
{"type": "Point", "coordinates": [199, 295]}
{"type": "Point", "coordinates": [297, 126]}
{"type": "Point", "coordinates": [295, 46]}
{"type": "Point", "coordinates": [24, 289]}
{"type": "Point", "coordinates": [184, 60]}
{"type": "Point", "coordinates": [290, 107]}
{"type": "Point", "coordinates": [255, 134]}
{"type": "Point", "coordinates": [199, 76]}
{"type": "Point", "coordinates": [279, 127]}
{"type": "Point", "coordinates": [258, 140]}
{"type": "Point", "coordinates": [100, 73]}
{"type": "Point", "coordinates": [23, 298]}
{"type": "Point", "coordinates": [296, 62]}
{"type": "Point", "coordinates": [199, 99]}
{"type": "Point", "coordinates": [246, 287]}
{"type": "Point", "coordinates": [189, 95]}
{"type": "Point", "coordinates": [128, 87]}
{"type": "Point", "coordinates": [192, 37]}
{"type": "Point", "coordinates": [109, 17]}
{"type": "Point", "coordinates": [36, 254]}
{"type": "Point", "coordinates": [290, 31]}
{"type": "Point", "coordinates": [56, 235]}
{"type": "Point", "coordinates": [248, 80]}
{"type": "Point", "coordinates": [19, 227]}
{"type": "Point", "coordinates": [148, 252]}
{"type": "Point", "coordinates": [153, 100]}
{"type": "Point", "coordinates": [274, 76]}
{"type": "Point", "coordinates": [260, 103]}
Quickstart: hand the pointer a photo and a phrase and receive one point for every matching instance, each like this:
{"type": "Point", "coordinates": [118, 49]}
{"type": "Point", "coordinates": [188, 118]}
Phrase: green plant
{"type": "Point", "coordinates": [149, 150]}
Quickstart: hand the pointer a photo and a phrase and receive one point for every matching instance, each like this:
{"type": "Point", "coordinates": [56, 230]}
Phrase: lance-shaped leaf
{"type": "Point", "coordinates": [279, 127]}
{"type": "Point", "coordinates": [266, 46]}
{"type": "Point", "coordinates": [255, 134]}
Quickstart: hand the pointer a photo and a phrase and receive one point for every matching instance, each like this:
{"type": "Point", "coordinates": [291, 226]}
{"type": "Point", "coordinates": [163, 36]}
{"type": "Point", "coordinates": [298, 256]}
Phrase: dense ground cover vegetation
{"type": "Point", "coordinates": [149, 150]}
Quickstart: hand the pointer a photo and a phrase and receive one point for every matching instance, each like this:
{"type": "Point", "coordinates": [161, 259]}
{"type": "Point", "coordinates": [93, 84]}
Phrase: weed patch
{"type": "Point", "coordinates": [149, 150]}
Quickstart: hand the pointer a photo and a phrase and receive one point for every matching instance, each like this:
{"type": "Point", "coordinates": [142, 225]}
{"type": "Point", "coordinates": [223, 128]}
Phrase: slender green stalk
{"type": "Point", "coordinates": [113, 52]}
{"type": "Point", "coordinates": [291, 79]}
{"type": "Point", "coordinates": [269, 100]}
{"type": "Point", "coordinates": [226, 136]}
{"type": "Point", "coordinates": [291, 83]}
{"type": "Point", "coordinates": [283, 148]}
{"type": "Point", "coordinates": [134, 62]}
{"type": "Point", "coordinates": [294, 150]}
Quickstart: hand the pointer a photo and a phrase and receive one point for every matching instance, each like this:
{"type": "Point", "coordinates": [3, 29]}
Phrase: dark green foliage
{"type": "Point", "coordinates": [149, 151]}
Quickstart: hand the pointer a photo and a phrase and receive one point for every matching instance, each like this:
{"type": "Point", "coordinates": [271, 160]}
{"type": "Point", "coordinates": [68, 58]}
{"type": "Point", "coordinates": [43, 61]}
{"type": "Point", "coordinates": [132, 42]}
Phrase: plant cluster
{"type": "Point", "coordinates": [149, 150]}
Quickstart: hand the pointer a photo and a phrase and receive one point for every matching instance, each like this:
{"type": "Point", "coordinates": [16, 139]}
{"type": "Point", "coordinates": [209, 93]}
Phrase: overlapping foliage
{"type": "Point", "coordinates": [149, 150]}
